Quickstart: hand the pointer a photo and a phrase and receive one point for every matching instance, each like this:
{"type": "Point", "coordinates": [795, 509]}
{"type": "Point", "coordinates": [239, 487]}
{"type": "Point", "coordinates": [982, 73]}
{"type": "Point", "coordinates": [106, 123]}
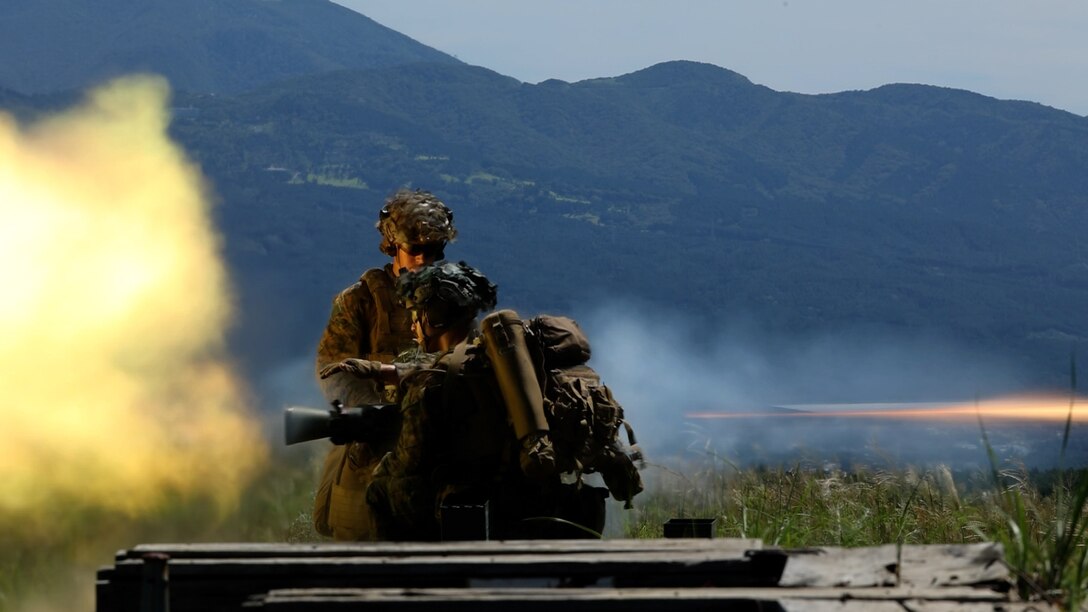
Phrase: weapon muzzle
{"type": "Point", "coordinates": [369, 423]}
{"type": "Point", "coordinates": [305, 424]}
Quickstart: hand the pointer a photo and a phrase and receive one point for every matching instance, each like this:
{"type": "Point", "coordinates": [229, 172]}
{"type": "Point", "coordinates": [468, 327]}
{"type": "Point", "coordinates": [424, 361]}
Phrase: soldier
{"type": "Point", "coordinates": [368, 324]}
{"type": "Point", "coordinates": [459, 442]}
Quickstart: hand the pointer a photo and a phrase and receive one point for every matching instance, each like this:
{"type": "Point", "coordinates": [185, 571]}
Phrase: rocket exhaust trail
{"type": "Point", "coordinates": [1019, 408]}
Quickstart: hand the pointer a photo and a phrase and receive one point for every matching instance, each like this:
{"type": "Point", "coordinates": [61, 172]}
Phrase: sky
{"type": "Point", "coordinates": [1008, 49]}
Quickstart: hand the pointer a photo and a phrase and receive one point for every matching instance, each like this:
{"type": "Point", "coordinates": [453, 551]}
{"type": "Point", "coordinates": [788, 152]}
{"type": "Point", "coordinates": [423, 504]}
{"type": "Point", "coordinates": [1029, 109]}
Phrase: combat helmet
{"type": "Point", "coordinates": [414, 217]}
{"type": "Point", "coordinates": [449, 293]}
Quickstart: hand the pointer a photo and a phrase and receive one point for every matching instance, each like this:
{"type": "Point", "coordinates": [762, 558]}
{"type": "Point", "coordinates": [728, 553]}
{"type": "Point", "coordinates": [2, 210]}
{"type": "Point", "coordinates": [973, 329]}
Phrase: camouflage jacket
{"type": "Point", "coordinates": [454, 437]}
{"type": "Point", "coordinates": [366, 322]}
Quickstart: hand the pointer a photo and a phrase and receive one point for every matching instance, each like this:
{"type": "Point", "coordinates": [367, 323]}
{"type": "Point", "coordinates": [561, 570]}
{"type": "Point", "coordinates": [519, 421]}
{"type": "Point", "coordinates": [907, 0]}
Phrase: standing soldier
{"type": "Point", "coordinates": [368, 323]}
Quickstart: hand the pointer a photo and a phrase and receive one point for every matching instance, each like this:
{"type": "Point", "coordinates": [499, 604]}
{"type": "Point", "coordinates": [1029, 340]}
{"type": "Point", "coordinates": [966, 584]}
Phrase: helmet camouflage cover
{"type": "Point", "coordinates": [414, 217]}
{"type": "Point", "coordinates": [449, 293]}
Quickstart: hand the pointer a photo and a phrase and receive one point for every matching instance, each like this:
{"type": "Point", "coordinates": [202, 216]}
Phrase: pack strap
{"type": "Point", "coordinates": [454, 366]}
{"type": "Point", "coordinates": [630, 432]}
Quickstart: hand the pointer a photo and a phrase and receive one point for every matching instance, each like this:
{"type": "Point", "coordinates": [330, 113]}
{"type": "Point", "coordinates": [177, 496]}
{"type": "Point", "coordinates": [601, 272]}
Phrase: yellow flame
{"type": "Point", "coordinates": [114, 389]}
{"type": "Point", "coordinates": [1019, 408]}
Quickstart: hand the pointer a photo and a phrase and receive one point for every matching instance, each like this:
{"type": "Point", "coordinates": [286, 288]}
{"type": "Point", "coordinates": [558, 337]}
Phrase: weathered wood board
{"type": "Point", "coordinates": [921, 565]}
{"type": "Point", "coordinates": [359, 549]}
{"type": "Point", "coordinates": [647, 575]}
{"type": "Point", "coordinates": [643, 600]}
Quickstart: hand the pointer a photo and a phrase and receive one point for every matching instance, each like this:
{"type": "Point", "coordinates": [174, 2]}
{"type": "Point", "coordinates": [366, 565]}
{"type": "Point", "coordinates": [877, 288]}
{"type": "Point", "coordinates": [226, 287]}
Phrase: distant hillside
{"type": "Point", "coordinates": [907, 207]}
{"type": "Point", "coordinates": [915, 210]}
{"type": "Point", "coordinates": [13, 102]}
{"type": "Point", "coordinates": [200, 45]}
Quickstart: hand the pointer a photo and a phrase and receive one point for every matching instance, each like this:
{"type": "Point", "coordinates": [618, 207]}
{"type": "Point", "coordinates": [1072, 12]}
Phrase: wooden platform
{"type": "Point", "coordinates": [644, 575]}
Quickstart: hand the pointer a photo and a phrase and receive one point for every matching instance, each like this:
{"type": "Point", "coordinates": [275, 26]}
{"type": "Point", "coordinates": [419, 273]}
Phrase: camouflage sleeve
{"type": "Point", "coordinates": [402, 497]}
{"type": "Point", "coordinates": [347, 334]}
{"type": "Point", "coordinates": [416, 438]}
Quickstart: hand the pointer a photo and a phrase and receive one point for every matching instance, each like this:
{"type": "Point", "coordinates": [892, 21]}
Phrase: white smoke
{"type": "Point", "coordinates": [661, 366]}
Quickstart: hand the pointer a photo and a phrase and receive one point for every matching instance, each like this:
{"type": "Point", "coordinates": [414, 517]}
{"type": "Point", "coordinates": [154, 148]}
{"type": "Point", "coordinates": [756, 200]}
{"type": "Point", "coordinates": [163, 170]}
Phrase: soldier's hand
{"type": "Point", "coordinates": [360, 368]}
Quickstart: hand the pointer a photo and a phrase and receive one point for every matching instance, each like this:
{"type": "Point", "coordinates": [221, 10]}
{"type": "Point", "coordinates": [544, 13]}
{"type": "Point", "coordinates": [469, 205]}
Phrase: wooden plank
{"type": "Point", "coordinates": [841, 567]}
{"type": "Point", "coordinates": [921, 565]}
{"type": "Point", "coordinates": [954, 564]}
{"type": "Point", "coordinates": [221, 584]}
{"type": "Point", "coordinates": [809, 600]}
{"type": "Point", "coordinates": [340, 549]}
{"type": "Point", "coordinates": [955, 606]}
{"type": "Point", "coordinates": [106, 596]}
{"type": "Point", "coordinates": [605, 563]}
{"type": "Point", "coordinates": [847, 605]}
{"type": "Point", "coordinates": [675, 568]}
{"type": "Point", "coordinates": [639, 573]}
{"type": "Point", "coordinates": [575, 605]}
{"type": "Point", "coordinates": [964, 594]}
{"type": "Point", "coordinates": [546, 600]}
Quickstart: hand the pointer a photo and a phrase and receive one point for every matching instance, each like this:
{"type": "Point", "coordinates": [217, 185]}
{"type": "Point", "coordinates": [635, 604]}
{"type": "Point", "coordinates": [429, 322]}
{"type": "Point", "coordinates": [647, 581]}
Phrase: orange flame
{"type": "Point", "coordinates": [1017, 408]}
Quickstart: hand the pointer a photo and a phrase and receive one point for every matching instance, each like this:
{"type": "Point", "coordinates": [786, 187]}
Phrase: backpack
{"type": "Point", "coordinates": [583, 417]}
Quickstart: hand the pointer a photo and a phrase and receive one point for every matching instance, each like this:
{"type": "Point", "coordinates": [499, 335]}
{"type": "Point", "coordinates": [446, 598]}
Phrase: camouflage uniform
{"type": "Point", "coordinates": [456, 445]}
{"type": "Point", "coordinates": [367, 322]}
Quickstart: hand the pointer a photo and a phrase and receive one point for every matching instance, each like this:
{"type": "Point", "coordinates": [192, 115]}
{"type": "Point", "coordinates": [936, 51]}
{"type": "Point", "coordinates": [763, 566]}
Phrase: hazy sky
{"type": "Point", "coordinates": [1012, 49]}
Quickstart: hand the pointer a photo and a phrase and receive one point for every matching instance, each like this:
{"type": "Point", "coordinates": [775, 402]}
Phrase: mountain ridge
{"type": "Point", "coordinates": [686, 185]}
{"type": "Point", "coordinates": [199, 45]}
{"type": "Point", "coordinates": [887, 207]}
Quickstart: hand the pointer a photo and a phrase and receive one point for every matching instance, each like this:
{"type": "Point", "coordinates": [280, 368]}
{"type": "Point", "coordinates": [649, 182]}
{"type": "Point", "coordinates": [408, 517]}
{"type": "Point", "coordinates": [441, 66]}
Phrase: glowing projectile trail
{"type": "Point", "coordinates": [1026, 409]}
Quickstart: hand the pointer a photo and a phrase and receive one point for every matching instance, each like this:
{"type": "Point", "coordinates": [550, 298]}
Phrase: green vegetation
{"type": "Point", "coordinates": [809, 506]}
{"type": "Point", "coordinates": [1045, 537]}
{"type": "Point", "coordinates": [1046, 541]}
{"type": "Point", "coordinates": [482, 177]}
{"type": "Point", "coordinates": [910, 208]}
{"type": "Point", "coordinates": [917, 210]}
{"type": "Point", "coordinates": [1038, 517]}
{"type": "Point", "coordinates": [1045, 534]}
{"type": "Point", "coordinates": [48, 559]}
{"type": "Point", "coordinates": [335, 181]}
{"type": "Point", "coordinates": [913, 209]}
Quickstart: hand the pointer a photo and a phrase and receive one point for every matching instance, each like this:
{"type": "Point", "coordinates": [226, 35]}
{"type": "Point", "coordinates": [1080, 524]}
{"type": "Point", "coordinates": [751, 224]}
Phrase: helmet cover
{"type": "Point", "coordinates": [414, 217]}
{"type": "Point", "coordinates": [449, 293]}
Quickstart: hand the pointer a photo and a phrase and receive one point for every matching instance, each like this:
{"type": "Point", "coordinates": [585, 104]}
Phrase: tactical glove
{"type": "Point", "coordinates": [359, 368]}
{"type": "Point", "coordinates": [537, 457]}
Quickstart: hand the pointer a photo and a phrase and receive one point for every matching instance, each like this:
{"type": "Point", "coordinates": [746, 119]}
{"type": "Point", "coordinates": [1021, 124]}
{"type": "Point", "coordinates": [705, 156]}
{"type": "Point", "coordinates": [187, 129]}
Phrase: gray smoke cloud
{"type": "Point", "coordinates": [662, 367]}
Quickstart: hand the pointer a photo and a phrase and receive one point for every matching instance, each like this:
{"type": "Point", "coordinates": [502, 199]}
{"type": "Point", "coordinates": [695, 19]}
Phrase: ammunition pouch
{"type": "Point", "coordinates": [330, 472]}
{"type": "Point", "coordinates": [340, 507]}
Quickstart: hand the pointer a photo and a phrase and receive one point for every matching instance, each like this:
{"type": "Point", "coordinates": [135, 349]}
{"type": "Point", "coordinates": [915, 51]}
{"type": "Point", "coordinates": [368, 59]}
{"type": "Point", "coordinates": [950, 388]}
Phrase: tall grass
{"type": "Point", "coordinates": [48, 561]}
{"type": "Point", "coordinates": [1045, 535]}
{"type": "Point", "coordinates": [1039, 518]}
{"type": "Point", "coordinates": [1046, 538]}
{"type": "Point", "coordinates": [808, 505]}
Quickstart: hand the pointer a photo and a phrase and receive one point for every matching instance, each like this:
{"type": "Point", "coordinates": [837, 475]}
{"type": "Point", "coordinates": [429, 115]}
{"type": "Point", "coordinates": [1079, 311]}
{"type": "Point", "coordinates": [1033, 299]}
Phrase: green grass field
{"type": "Point", "coordinates": [49, 563]}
